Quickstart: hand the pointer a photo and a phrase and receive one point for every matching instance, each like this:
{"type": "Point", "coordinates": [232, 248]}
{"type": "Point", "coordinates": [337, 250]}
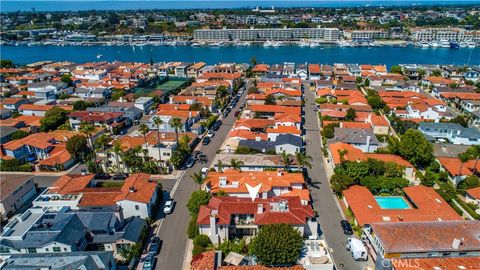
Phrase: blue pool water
{"type": "Point", "coordinates": [392, 203]}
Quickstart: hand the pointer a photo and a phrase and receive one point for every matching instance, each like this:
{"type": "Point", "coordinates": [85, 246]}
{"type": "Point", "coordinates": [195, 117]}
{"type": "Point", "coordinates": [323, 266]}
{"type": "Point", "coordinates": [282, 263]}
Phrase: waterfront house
{"type": "Point", "coordinates": [225, 217]}
{"type": "Point", "coordinates": [433, 239]}
{"type": "Point", "coordinates": [114, 121]}
{"type": "Point", "coordinates": [193, 71]}
{"type": "Point", "coordinates": [351, 153]}
{"type": "Point", "coordinates": [16, 191]}
{"type": "Point", "coordinates": [136, 197]}
{"type": "Point", "coordinates": [42, 231]}
{"type": "Point", "coordinates": [363, 139]}
{"type": "Point", "coordinates": [92, 260]}
{"type": "Point", "coordinates": [458, 171]}
{"type": "Point", "coordinates": [273, 183]}
{"type": "Point", "coordinates": [314, 72]}
{"type": "Point", "coordinates": [452, 132]}
{"type": "Point", "coordinates": [420, 203]}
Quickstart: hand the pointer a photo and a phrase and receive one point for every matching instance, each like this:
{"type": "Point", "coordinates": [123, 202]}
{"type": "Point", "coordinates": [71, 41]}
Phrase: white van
{"type": "Point", "coordinates": [358, 250]}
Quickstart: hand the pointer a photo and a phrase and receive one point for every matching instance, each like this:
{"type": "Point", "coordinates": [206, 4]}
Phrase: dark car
{"type": "Point", "coordinates": [206, 140]}
{"type": "Point", "coordinates": [154, 246]}
{"type": "Point", "coordinates": [237, 113]}
{"type": "Point", "coordinates": [190, 162]}
{"type": "Point", "coordinates": [121, 176]}
{"type": "Point", "coordinates": [347, 228]}
{"type": "Point", "coordinates": [103, 176]}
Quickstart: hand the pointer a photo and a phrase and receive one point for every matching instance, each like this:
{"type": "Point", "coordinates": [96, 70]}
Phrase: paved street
{"type": "Point", "coordinates": [173, 230]}
{"type": "Point", "coordinates": [324, 201]}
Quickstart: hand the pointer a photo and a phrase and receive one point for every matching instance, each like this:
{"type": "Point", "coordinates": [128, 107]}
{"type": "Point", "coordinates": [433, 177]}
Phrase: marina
{"type": "Point", "coordinates": [273, 53]}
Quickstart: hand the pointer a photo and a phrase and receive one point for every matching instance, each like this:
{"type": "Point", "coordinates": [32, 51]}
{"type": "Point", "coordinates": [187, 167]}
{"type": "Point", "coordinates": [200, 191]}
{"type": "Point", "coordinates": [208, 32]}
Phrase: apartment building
{"type": "Point", "coordinates": [449, 34]}
{"type": "Point", "coordinates": [279, 34]}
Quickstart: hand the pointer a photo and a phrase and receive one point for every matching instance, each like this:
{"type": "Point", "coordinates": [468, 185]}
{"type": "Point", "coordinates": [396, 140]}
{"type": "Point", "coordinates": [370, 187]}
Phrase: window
{"type": "Point", "coordinates": [4, 250]}
{"type": "Point", "coordinates": [137, 207]}
{"type": "Point", "coordinates": [56, 249]}
{"type": "Point", "coordinates": [31, 250]}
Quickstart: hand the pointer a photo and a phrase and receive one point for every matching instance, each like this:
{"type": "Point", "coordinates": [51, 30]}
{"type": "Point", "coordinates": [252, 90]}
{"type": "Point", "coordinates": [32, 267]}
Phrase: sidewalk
{"type": "Point", "coordinates": [188, 255]}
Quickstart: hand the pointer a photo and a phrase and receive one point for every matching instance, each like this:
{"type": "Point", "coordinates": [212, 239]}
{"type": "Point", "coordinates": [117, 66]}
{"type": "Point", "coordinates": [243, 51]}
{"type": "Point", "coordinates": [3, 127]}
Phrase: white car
{"type": "Point", "coordinates": [167, 209]}
{"type": "Point", "coordinates": [211, 133]}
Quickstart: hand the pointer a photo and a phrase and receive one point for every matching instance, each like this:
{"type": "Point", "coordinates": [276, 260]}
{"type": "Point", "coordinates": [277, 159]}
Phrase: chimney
{"type": "Point", "coordinates": [368, 144]}
{"type": "Point", "coordinates": [131, 189]}
{"type": "Point", "coordinates": [279, 172]}
{"type": "Point", "coordinates": [213, 226]}
{"type": "Point", "coordinates": [171, 99]}
{"type": "Point", "coordinates": [456, 243]}
{"type": "Point", "coordinates": [119, 214]}
{"type": "Point", "coordinates": [259, 208]}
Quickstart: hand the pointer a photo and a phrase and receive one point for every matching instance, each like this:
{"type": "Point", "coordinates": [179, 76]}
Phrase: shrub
{"type": "Point", "coordinates": [202, 240]}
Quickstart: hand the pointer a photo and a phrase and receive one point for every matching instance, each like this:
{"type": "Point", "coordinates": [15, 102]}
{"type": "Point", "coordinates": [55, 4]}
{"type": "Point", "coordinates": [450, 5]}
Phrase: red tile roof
{"type": "Point", "coordinates": [465, 263]}
{"type": "Point", "coordinates": [428, 206]}
{"type": "Point", "coordinates": [236, 181]}
{"type": "Point", "coordinates": [296, 213]}
{"type": "Point", "coordinates": [474, 193]}
{"type": "Point", "coordinates": [455, 168]}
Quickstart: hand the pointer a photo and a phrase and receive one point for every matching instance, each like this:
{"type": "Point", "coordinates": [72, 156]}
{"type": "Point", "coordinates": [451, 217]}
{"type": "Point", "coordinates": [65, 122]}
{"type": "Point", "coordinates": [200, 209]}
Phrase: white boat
{"type": "Point", "coordinates": [99, 56]}
{"type": "Point", "coordinates": [344, 43]}
{"type": "Point", "coordinates": [268, 43]}
{"type": "Point", "coordinates": [243, 44]}
{"type": "Point", "coordinates": [303, 44]}
{"type": "Point", "coordinates": [434, 44]}
{"type": "Point", "coordinates": [314, 44]}
{"type": "Point", "coordinates": [277, 44]}
{"type": "Point", "coordinates": [471, 44]}
{"type": "Point", "coordinates": [444, 43]}
{"type": "Point", "coordinates": [215, 44]}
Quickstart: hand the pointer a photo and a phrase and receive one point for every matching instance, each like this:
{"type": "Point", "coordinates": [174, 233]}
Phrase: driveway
{"type": "Point", "coordinates": [323, 198]}
{"type": "Point", "coordinates": [173, 228]}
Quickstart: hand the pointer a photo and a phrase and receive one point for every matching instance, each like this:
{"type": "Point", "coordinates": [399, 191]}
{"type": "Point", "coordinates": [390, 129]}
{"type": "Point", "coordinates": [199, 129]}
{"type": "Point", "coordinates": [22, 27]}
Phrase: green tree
{"type": "Point", "coordinates": [54, 118]}
{"type": "Point", "coordinates": [396, 69]}
{"type": "Point", "coordinates": [77, 146]}
{"type": "Point", "coordinates": [415, 148]}
{"type": "Point", "coordinates": [270, 100]}
{"type": "Point", "coordinates": [286, 160]}
{"type": "Point", "coordinates": [143, 129]}
{"type": "Point", "coordinates": [328, 131]}
{"type": "Point", "coordinates": [340, 182]}
{"type": "Point", "coordinates": [197, 199]}
{"type": "Point", "coordinates": [469, 182]}
{"type": "Point", "coordinates": [6, 63]}
{"type": "Point", "coordinates": [429, 178]}
{"type": "Point", "coordinates": [197, 178]}
{"type": "Point", "coordinates": [88, 129]}
{"type": "Point", "coordinates": [461, 120]}
{"type": "Point", "coordinates": [158, 122]}
{"type": "Point", "coordinates": [351, 114]}
{"type": "Point", "coordinates": [436, 73]}
{"type": "Point", "coordinates": [303, 160]}
{"type": "Point", "coordinates": [177, 125]}
{"type": "Point", "coordinates": [66, 78]}
{"type": "Point", "coordinates": [236, 164]}
{"type": "Point", "coordinates": [81, 105]}
{"type": "Point", "coordinates": [447, 191]}
{"type": "Point", "coordinates": [19, 134]}
{"type": "Point", "coordinates": [277, 244]}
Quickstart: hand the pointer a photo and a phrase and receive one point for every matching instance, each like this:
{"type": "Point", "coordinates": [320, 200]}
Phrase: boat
{"type": "Point", "coordinates": [424, 44]}
{"type": "Point", "coordinates": [314, 44]}
{"type": "Point", "coordinates": [215, 44]}
{"type": "Point", "coordinates": [471, 44]}
{"type": "Point", "coordinates": [444, 44]}
{"type": "Point", "coordinates": [303, 44]}
{"type": "Point", "coordinates": [434, 44]}
{"type": "Point", "coordinates": [99, 56]}
{"type": "Point", "coordinates": [454, 45]}
{"type": "Point", "coordinates": [268, 43]}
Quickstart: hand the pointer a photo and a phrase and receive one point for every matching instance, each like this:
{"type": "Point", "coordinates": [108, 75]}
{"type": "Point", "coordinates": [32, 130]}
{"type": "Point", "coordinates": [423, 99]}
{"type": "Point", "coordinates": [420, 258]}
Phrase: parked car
{"type": "Point", "coordinates": [103, 176]}
{"type": "Point", "coordinates": [154, 247]}
{"type": "Point", "coordinates": [211, 133]}
{"type": "Point", "coordinates": [237, 113]}
{"type": "Point", "coordinates": [149, 262]}
{"type": "Point", "coordinates": [206, 140]}
{"type": "Point", "coordinates": [168, 208]}
{"type": "Point", "coordinates": [225, 114]}
{"type": "Point", "coordinates": [189, 163]}
{"type": "Point", "coordinates": [347, 228]}
{"type": "Point", "coordinates": [357, 248]}
{"type": "Point", "coordinates": [121, 176]}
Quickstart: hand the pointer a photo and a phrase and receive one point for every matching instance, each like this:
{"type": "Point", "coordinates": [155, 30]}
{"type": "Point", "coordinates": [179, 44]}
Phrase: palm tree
{"type": "Point", "coordinates": [342, 154]}
{"type": "Point", "coordinates": [176, 123]}
{"type": "Point", "coordinates": [303, 160]}
{"type": "Point", "coordinates": [88, 129]}
{"type": "Point", "coordinates": [220, 166]}
{"type": "Point", "coordinates": [286, 160]}
{"type": "Point", "coordinates": [236, 164]}
{"type": "Point", "coordinates": [143, 128]}
{"type": "Point", "coordinates": [101, 144]}
{"type": "Point", "coordinates": [117, 149]}
{"type": "Point", "coordinates": [157, 121]}
{"type": "Point", "coordinates": [198, 178]}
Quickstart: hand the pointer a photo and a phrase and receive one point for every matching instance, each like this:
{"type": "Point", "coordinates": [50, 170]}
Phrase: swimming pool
{"type": "Point", "coordinates": [392, 202]}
